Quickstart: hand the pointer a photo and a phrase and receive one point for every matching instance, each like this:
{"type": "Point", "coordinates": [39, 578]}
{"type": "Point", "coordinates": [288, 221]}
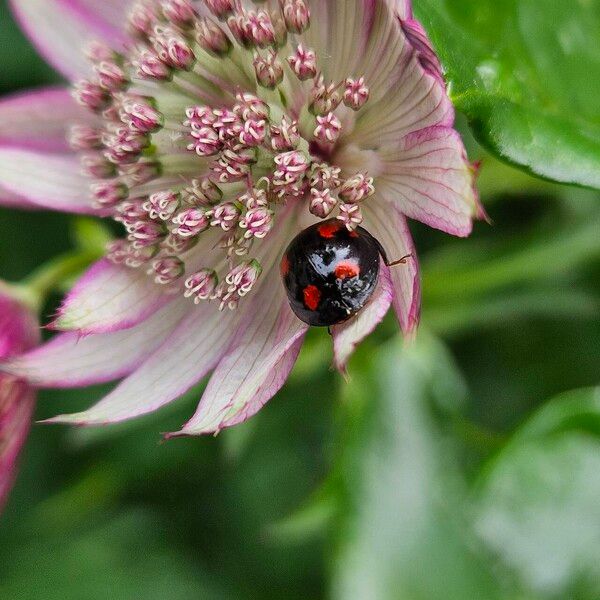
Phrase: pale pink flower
{"type": "Point", "coordinates": [232, 150]}
{"type": "Point", "coordinates": [18, 333]}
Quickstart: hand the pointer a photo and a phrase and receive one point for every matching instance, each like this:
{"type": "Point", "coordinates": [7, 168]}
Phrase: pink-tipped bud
{"type": "Point", "coordinates": [304, 63]}
{"type": "Point", "coordinates": [201, 285]}
{"type": "Point", "coordinates": [249, 107]}
{"type": "Point", "coordinates": [356, 93]}
{"type": "Point", "coordinates": [122, 252]}
{"type": "Point", "coordinates": [141, 116]}
{"type": "Point", "coordinates": [167, 270]}
{"type": "Point", "coordinates": [227, 124]}
{"type": "Point", "coordinates": [142, 18]}
{"type": "Point", "coordinates": [324, 98]}
{"type": "Point", "coordinates": [111, 76]}
{"type": "Point", "coordinates": [257, 222]}
{"type": "Point", "coordinates": [322, 203]}
{"type": "Point", "coordinates": [149, 66]}
{"type": "Point", "coordinates": [285, 137]}
{"type": "Point", "coordinates": [237, 28]}
{"type": "Point", "coordinates": [107, 194]}
{"type": "Point", "coordinates": [180, 12]}
{"type": "Point", "coordinates": [259, 29]}
{"type": "Point", "coordinates": [351, 216]}
{"type": "Point", "coordinates": [234, 165]}
{"type": "Point", "coordinates": [163, 205]}
{"type": "Point", "coordinates": [357, 188]}
{"type": "Point", "coordinates": [140, 172]}
{"type": "Point", "coordinates": [95, 165]}
{"type": "Point", "coordinates": [328, 129]}
{"type": "Point", "coordinates": [174, 244]}
{"type": "Point", "coordinates": [291, 167]}
{"type": "Point", "coordinates": [254, 198]}
{"type": "Point", "coordinates": [268, 70]}
{"type": "Point", "coordinates": [173, 49]}
{"type": "Point", "coordinates": [296, 15]}
{"type": "Point", "coordinates": [84, 137]}
{"type": "Point", "coordinates": [226, 216]}
{"type": "Point", "coordinates": [212, 38]}
{"type": "Point", "coordinates": [130, 212]}
{"type": "Point", "coordinates": [324, 176]}
{"type": "Point", "coordinates": [146, 233]}
{"type": "Point", "coordinates": [190, 222]}
{"type": "Point", "coordinates": [220, 8]}
{"type": "Point", "coordinates": [91, 95]}
{"type": "Point", "coordinates": [202, 192]}
{"type": "Point", "coordinates": [199, 116]}
{"type": "Point", "coordinates": [205, 142]}
{"type": "Point", "coordinates": [97, 52]}
{"type": "Point", "coordinates": [238, 282]}
{"type": "Point", "coordinates": [124, 145]}
{"type": "Point", "coordinates": [254, 133]}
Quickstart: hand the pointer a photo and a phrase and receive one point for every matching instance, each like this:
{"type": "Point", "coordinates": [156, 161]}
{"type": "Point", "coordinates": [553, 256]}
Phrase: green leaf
{"type": "Point", "coordinates": [527, 75]}
{"type": "Point", "coordinates": [403, 532]}
{"type": "Point", "coordinates": [130, 556]}
{"type": "Point", "coordinates": [539, 506]}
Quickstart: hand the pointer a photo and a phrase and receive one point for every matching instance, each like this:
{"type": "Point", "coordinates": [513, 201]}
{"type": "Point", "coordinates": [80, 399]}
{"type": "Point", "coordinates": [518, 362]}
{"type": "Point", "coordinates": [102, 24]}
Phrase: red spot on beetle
{"type": "Point", "coordinates": [328, 230]}
{"type": "Point", "coordinates": [346, 269]}
{"type": "Point", "coordinates": [312, 297]}
{"type": "Point", "coordinates": [284, 267]}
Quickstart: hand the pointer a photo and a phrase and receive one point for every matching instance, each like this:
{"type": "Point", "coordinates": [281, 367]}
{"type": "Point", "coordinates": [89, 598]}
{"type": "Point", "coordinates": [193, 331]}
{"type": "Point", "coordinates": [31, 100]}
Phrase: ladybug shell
{"type": "Point", "coordinates": [330, 273]}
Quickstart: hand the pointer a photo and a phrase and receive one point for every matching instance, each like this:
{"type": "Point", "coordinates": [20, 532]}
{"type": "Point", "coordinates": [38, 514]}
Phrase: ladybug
{"type": "Point", "coordinates": [330, 273]}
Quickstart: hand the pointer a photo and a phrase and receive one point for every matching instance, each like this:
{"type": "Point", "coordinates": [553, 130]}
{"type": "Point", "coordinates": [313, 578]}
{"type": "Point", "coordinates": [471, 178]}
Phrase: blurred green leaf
{"type": "Point", "coordinates": [403, 532]}
{"type": "Point", "coordinates": [473, 269]}
{"type": "Point", "coordinates": [128, 557]}
{"type": "Point", "coordinates": [540, 508]}
{"type": "Point", "coordinates": [527, 75]}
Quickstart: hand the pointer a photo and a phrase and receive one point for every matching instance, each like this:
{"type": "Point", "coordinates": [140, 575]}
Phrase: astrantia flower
{"type": "Point", "coordinates": [18, 333]}
{"type": "Point", "coordinates": [215, 131]}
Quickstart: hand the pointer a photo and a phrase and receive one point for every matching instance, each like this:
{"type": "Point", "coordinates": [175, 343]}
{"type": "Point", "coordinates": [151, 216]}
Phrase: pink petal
{"type": "Point", "coordinates": [18, 332]}
{"type": "Point", "coordinates": [418, 39]}
{"type": "Point", "coordinates": [110, 297]}
{"type": "Point", "coordinates": [351, 333]}
{"type": "Point", "coordinates": [70, 360]}
{"type": "Point", "coordinates": [427, 175]}
{"type": "Point", "coordinates": [39, 120]}
{"type": "Point", "coordinates": [255, 367]}
{"type": "Point", "coordinates": [45, 180]}
{"type": "Point", "coordinates": [13, 200]}
{"type": "Point", "coordinates": [389, 226]}
{"type": "Point", "coordinates": [407, 93]}
{"type": "Point", "coordinates": [60, 29]}
{"type": "Point", "coordinates": [187, 355]}
{"type": "Point", "coordinates": [17, 402]}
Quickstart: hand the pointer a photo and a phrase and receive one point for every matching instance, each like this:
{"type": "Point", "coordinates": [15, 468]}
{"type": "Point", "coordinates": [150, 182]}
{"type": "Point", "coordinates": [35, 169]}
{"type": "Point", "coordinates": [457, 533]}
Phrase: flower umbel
{"type": "Point", "coordinates": [214, 131]}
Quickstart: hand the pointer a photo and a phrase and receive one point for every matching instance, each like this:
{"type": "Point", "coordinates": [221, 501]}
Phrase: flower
{"type": "Point", "coordinates": [18, 333]}
{"type": "Point", "coordinates": [230, 126]}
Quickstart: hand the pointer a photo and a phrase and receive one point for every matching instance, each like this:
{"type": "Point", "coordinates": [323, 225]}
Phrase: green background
{"type": "Point", "coordinates": [465, 467]}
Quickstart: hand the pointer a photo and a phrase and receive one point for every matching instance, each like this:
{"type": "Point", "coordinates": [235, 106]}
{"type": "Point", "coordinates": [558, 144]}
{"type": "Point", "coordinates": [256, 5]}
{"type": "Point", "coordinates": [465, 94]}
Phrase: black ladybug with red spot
{"type": "Point", "coordinates": [330, 273]}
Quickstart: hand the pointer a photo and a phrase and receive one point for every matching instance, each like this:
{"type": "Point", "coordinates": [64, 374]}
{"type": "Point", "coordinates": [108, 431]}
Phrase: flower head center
{"type": "Point", "coordinates": [216, 116]}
